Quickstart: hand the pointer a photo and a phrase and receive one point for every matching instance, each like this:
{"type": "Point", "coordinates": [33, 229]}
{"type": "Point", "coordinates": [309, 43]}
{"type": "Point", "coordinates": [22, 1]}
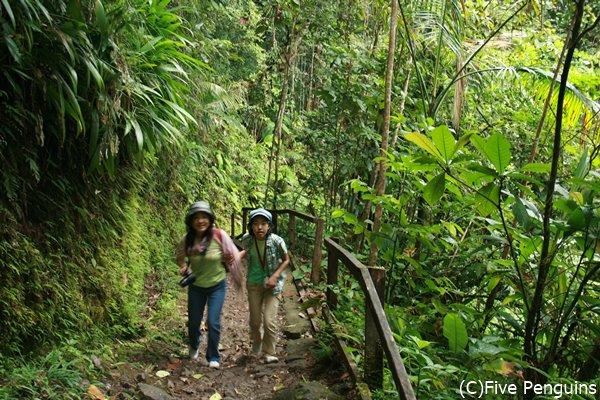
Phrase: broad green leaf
{"type": "Point", "coordinates": [536, 167]}
{"type": "Point", "coordinates": [482, 169]}
{"type": "Point", "coordinates": [337, 213]}
{"type": "Point", "coordinates": [479, 143]}
{"type": "Point", "coordinates": [434, 190]}
{"type": "Point", "coordinates": [358, 186]}
{"type": "Point", "coordinates": [492, 283]}
{"type": "Point", "coordinates": [162, 373]}
{"type": "Point", "coordinates": [577, 220]}
{"type": "Point", "coordinates": [462, 141]}
{"type": "Point", "coordinates": [456, 332]}
{"type": "Point", "coordinates": [423, 142]}
{"type": "Point", "coordinates": [444, 142]}
{"type": "Point", "coordinates": [421, 344]}
{"type": "Point", "coordinates": [498, 150]}
{"type": "Point", "coordinates": [350, 218]}
{"type": "Point", "coordinates": [487, 199]}
{"type": "Point", "coordinates": [577, 196]}
{"type": "Point", "coordinates": [521, 215]}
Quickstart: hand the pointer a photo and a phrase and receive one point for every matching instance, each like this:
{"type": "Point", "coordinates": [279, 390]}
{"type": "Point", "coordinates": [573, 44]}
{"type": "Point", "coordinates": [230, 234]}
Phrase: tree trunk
{"type": "Point", "coordinates": [289, 58]}
{"type": "Point", "coordinates": [546, 257]}
{"type": "Point", "coordinates": [403, 100]}
{"type": "Point", "coordinates": [380, 185]}
{"type": "Point", "coordinates": [538, 132]}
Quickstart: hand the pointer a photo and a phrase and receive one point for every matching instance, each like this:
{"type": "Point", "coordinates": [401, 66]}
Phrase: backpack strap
{"type": "Point", "coordinates": [219, 237]}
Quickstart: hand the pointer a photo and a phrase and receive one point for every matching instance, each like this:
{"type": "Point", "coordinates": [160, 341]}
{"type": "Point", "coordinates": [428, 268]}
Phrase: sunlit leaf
{"type": "Point", "coordinates": [444, 142]}
{"type": "Point", "coordinates": [337, 213]}
{"type": "Point", "coordinates": [498, 151]}
{"type": "Point", "coordinates": [456, 332]}
{"type": "Point", "coordinates": [423, 142]}
{"type": "Point", "coordinates": [162, 373]}
{"type": "Point", "coordinates": [541, 168]}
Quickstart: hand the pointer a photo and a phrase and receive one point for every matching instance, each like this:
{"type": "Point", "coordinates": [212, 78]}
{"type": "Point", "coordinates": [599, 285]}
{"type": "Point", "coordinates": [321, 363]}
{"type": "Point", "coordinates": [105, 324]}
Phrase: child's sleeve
{"type": "Point", "coordinates": [282, 248]}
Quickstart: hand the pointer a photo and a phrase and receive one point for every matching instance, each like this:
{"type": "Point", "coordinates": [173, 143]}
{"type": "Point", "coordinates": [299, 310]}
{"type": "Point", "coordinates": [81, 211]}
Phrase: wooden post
{"type": "Point", "coordinates": [332, 277]}
{"type": "Point", "coordinates": [292, 229]}
{"type": "Point", "coordinates": [317, 253]}
{"type": "Point", "coordinates": [373, 349]}
{"type": "Point", "coordinates": [244, 220]}
{"type": "Point", "coordinates": [274, 222]}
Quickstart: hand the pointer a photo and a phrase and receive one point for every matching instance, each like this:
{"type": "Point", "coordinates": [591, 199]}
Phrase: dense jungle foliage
{"type": "Point", "coordinates": [466, 164]}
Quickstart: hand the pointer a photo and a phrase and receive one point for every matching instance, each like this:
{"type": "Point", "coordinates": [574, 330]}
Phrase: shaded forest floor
{"type": "Point", "coordinates": [159, 367]}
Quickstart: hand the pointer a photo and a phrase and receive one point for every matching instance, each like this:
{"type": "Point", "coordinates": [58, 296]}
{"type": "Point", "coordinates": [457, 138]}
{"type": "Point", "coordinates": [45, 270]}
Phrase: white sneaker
{"type": "Point", "coordinates": [270, 359]}
{"type": "Point", "coordinates": [213, 364]}
{"type": "Point", "coordinates": [193, 353]}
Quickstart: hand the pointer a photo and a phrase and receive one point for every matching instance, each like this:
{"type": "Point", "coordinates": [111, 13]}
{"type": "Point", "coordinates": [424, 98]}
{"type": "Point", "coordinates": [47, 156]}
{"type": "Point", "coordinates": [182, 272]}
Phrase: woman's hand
{"type": "Point", "coordinates": [183, 269]}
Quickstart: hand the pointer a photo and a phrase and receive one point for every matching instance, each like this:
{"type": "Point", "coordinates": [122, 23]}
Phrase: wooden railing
{"type": "Point", "coordinates": [378, 335]}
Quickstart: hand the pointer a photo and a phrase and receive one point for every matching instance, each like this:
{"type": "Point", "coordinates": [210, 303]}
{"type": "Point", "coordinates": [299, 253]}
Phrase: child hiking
{"type": "Point", "coordinates": [268, 258]}
{"type": "Point", "coordinates": [204, 255]}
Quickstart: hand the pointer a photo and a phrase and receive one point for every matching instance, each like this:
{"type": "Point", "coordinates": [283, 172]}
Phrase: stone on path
{"type": "Point", "coordinates": [153, 393]}
{"type": "Point", "coordinates": [307, 391]}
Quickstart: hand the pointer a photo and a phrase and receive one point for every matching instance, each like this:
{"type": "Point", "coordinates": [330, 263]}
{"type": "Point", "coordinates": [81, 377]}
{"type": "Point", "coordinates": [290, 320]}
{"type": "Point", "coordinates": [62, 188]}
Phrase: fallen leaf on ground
{"type": "Point", "coordinates": [173, 365]}
{"type": "Point", "coordinates": [197, 376]}
{"type": "Point", "coordinates": [162, 373]}
{"type": "Point", "coordinates": [95, 393]}
{"type": "Point", "coordinates": [215, 396]}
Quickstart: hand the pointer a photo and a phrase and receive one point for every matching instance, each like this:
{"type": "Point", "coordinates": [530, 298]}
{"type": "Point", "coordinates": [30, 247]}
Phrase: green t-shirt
{"type": "Point", "coordinates": [208, 268]}
{"type": "Point", "coordinates": [256, 275]}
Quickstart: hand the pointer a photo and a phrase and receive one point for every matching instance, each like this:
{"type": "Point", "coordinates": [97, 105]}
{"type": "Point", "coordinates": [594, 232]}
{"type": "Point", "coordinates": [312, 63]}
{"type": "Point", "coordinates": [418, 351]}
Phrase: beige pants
{"type": "Point", "coordinates": [263, 314]}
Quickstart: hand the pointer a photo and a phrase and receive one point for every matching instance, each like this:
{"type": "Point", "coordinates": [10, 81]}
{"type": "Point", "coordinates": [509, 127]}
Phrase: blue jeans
{"type": "Point", "coordinates": [199, 297]}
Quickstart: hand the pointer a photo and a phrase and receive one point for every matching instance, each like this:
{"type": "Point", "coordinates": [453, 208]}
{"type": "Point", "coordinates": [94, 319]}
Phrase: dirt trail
{"type": "Point", "coordinates": [240, 376]}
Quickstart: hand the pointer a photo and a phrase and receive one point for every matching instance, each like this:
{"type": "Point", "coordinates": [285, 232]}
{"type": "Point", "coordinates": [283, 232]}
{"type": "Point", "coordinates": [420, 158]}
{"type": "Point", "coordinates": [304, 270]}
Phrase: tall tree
{"type": "Point", "coordinates": [385, 132]}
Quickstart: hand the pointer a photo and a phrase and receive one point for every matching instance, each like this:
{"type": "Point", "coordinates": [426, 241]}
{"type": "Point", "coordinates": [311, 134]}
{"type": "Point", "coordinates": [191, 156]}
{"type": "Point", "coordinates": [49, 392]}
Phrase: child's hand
{"type": "Point", "coordinates": [182, 269]}
{"type": "Point", "coordinates": [271, 282]}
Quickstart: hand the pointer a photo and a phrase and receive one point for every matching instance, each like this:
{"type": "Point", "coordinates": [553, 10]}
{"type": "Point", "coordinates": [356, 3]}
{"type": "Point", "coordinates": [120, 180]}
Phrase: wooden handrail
{"type": "Point", "coordinates": [337, 253]}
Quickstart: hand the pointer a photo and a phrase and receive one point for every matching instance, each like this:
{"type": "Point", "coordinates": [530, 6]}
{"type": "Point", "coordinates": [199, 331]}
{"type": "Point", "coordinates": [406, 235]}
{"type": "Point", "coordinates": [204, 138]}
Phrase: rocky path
{"type": "Point", "coordinates": [161, 370]}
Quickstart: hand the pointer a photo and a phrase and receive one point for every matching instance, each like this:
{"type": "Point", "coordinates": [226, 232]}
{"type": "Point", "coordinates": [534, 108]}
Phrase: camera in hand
{"type": "Point", "coordinates": [187, 279]}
